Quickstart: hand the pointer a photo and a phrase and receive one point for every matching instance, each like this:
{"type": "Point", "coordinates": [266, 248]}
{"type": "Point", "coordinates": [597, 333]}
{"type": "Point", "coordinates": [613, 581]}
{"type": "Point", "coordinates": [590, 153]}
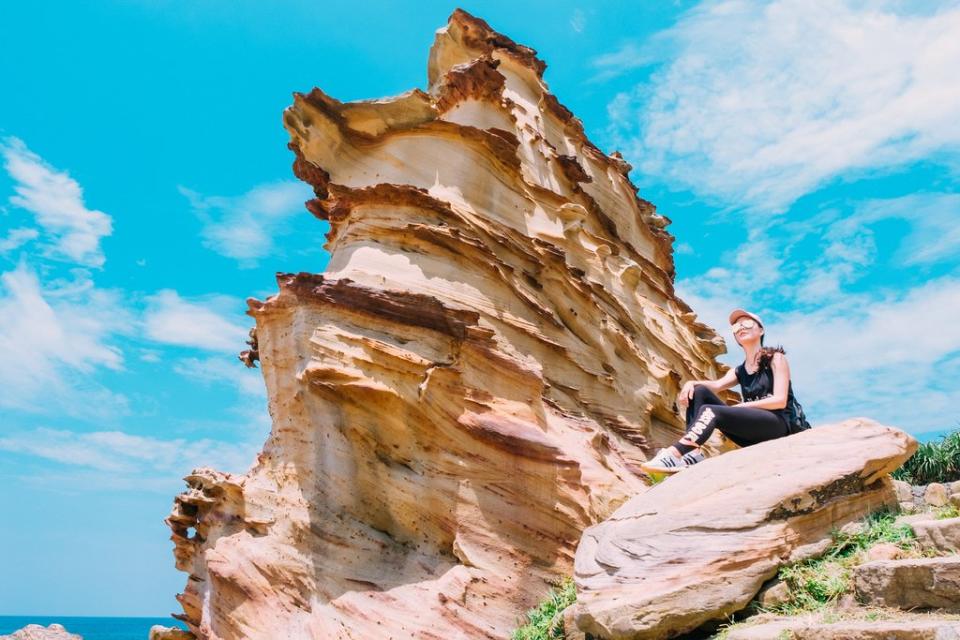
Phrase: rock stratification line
{"type": "Point", "coordinates": [494, 347]}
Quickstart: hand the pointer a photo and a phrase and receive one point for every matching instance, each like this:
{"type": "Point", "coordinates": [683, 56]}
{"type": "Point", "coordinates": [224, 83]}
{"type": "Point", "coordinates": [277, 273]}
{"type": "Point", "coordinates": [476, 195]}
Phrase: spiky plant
{"type": "Point", "coordinates": [545, 622]}
{"type": "Point", "coordinates": [935, 461]}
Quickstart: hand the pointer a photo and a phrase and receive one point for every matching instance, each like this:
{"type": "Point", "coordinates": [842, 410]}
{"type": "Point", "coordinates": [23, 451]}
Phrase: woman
{"type": "Point", "coordinates": [765, 413]}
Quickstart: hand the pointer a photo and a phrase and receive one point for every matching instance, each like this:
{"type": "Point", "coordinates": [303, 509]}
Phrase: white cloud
{"type": "Point", "coordinates": [886, 358]}
{"type": "Point", "coordinates": [57, 202]}
{"type": "Point", "coordinates": [150, 355]}
{"type": "Point", "coordinates": [209, 371]}
{"type": "Point", "coordinates": [849, 243]}
{"type": "Point", "coordinates": [578, 21]}
{"type": "Point", "coordinates": [628, 57]}
{"type": "Point", "coordinates": [244, 227]}
{"type": "Point", "coordinates": [123, 453]}
{"type": "Point", "coordinates": [54, 340]}
{"type": "Point", "coordinates": [16, 238]}
{"type": "Point", "coordinates": [934, 234]}
{"type": "Point", "coordinates": [201, 324]}
{"type": "Point", "coordinates": [763, 102]}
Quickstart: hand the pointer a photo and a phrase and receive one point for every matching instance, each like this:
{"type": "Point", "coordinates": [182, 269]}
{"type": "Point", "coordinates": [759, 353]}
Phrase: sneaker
{"type": "Point", "coordinates": [664, 462]}
{"type": "Point", "coordinates": [692, 457]}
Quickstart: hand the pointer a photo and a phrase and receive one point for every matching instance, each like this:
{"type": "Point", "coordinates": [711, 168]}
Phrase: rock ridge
{"type": "Point", "coordinates": [495, 347]}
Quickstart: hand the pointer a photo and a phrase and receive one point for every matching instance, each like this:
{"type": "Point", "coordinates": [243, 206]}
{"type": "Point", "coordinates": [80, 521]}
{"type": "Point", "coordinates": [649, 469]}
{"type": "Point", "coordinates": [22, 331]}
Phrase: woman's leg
{"type": "Point", "coordinates": [702, 396]}
{"type": "Point", "coordinates": [743, 425]}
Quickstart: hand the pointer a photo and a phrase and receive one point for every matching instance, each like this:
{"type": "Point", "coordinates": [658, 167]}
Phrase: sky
{"type": "Point", "coordinates": [807, 152]}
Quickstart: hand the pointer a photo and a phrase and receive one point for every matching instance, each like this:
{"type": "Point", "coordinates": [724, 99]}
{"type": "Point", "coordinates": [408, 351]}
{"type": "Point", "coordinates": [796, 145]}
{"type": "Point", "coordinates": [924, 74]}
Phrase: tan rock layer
{"type": "Point", "coordinates": [924, 583]}
{"type": "Point", "coordinates": [912, 628]}
{"type": "Point", "coordinates": [495, 346]}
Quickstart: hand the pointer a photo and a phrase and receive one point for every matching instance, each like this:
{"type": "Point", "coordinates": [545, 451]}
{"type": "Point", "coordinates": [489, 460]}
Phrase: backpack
{"type": "Point", "coordinates": [796, 419]}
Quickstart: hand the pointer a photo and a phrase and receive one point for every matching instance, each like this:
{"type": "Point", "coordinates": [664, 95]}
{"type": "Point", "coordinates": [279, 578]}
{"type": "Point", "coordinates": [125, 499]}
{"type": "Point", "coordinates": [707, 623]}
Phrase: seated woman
{"type": "Point", "coordinates": [768, 411]}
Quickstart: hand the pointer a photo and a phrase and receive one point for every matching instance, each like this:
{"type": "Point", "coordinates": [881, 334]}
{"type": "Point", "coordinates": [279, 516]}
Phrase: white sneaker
{"type": "Point", "coordinates": [692, 457]}
{"type": "Point", "coordinates": [664, 462]}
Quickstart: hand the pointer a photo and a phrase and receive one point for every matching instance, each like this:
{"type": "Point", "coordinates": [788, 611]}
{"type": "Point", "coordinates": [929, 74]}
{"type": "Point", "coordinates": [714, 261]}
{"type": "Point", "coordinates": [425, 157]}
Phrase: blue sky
{"type": "Point", "coordinates": [807, 153]}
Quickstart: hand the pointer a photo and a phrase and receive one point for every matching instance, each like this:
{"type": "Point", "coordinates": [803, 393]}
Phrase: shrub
{"type": "Point", "coordinates": [819, 582]}
{"type": "Point", "coordinates": [545, 622]}
{"type": "Point", "coordinates": [937, 461]}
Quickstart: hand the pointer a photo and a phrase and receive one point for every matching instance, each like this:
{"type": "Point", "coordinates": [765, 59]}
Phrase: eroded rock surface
{"type": "Point", "coordinates": [494, 348]}
{"type": "Point", "coordinates": [807, 628]}
{"type": "Point", "coordinates": [40, 632]}
{"type": "Point", "coordinates": [700, 545]}
{"type": "Point", "coordinates": [942, 536]}
{"type": "Point", "coordinates": [923, 583]}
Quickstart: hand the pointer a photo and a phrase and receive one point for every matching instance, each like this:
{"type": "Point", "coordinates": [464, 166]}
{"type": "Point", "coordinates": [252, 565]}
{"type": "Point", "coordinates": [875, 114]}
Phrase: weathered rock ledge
{"type": "Point", "coordinates": [700, 545]}
{"type": "Point", "coordinates": [495, 346]}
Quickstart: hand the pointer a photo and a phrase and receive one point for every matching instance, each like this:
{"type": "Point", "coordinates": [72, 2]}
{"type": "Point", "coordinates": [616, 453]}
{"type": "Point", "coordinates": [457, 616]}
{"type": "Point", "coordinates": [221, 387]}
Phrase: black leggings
{"type": "Point", "coordinates": [744, 425]}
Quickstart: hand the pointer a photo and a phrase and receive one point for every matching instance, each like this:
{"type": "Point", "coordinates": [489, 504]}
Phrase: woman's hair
{"type": "Point", "coordinates": [766, 354]}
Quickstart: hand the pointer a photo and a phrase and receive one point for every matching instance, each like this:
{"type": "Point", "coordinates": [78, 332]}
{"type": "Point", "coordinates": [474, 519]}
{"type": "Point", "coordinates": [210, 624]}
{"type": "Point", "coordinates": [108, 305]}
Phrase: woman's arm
{"type": "Point", "coordinates": [781, 383]}
{"type": "Point", "coordinates": [729, 379]}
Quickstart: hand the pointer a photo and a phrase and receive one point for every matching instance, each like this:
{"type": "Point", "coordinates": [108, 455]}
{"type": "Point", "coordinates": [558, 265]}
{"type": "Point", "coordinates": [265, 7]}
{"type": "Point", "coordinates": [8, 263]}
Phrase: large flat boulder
{"type": "Point", "coordinates": [923, 583]}
{"type": "Point", "coordinates": [700, 545]}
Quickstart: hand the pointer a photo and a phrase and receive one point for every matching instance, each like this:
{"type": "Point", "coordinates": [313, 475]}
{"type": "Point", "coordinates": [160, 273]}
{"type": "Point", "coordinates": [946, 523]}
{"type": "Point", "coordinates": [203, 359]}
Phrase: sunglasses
{"type": "Point", "coordinates": [746, 323]}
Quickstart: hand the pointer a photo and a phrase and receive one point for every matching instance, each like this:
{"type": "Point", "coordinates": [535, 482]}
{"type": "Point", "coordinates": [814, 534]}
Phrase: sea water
{"type": "Point", "coordinates": [92, 628]}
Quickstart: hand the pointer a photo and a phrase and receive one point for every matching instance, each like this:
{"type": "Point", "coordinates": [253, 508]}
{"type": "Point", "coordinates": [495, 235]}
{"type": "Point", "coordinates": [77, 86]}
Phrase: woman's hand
{"type": "Point", "coordinates": [686, 393]}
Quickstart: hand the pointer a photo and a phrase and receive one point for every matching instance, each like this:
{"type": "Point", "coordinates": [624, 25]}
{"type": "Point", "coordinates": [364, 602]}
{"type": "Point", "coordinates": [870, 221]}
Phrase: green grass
{"type": "Point", "coordinates": [949, 511]}
{"type": "Point", "coordinates": [937, 461]}
{"type": "Point", "coordinates": [816, 583]}
{"type": "Point", "coordinates": [545, 622]}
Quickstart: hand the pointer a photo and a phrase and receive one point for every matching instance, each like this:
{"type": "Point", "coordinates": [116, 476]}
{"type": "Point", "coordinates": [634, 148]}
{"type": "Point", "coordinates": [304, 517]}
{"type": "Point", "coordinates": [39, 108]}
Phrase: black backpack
{"type": "Point", "coordinates": [796, 418]}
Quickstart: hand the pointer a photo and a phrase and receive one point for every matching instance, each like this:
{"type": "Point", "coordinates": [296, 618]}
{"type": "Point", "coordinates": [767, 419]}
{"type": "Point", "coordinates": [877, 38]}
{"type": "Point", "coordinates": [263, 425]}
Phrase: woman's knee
{"type": "Point", "coordinates": [701, 392]}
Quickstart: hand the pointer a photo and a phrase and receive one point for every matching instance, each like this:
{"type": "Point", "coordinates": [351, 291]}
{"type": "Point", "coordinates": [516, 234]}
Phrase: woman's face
{"type": "Point", "coordinates": [745, 329]}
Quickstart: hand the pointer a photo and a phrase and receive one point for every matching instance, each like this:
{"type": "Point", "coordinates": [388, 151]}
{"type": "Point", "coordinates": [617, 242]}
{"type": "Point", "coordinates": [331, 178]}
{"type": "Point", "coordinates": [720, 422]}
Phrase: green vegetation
{"type": "Point", "coordinates": [816, 583]}
{"type": "Point", "coordinates": [949, 511]}
{"type": "Point", "coordinates": [545, 622]}
{"type": "Point", "coordinates": [937, 461]}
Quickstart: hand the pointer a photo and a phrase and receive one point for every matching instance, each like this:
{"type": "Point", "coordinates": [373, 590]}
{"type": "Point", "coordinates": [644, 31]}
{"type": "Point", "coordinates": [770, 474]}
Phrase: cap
{"type": "Point", "coordinates": [736, 313]}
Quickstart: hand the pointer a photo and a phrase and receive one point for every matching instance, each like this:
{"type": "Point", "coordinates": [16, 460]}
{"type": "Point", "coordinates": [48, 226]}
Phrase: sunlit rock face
{"type": "Point", "coordinates": [699, 546]}
{"type": "Point", "coordinates": [495, 346]}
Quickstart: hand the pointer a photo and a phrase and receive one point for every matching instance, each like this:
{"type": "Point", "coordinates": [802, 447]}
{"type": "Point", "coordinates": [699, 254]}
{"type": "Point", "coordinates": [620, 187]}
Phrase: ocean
{"type": "Point", "coordinates": [92, 628]}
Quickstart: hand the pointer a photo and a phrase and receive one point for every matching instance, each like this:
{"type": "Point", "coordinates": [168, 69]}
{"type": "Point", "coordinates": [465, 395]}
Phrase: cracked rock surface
{"type": "Point", "coordinates": [699, 546]}
{"type": "Point", "coordinates": [495, 346]}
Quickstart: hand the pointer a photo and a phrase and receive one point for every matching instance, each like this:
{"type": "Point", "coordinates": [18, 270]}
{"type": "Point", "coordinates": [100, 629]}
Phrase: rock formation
{"type": "Point", "coordinates": [939, 536]}
{"type": "Point", "coordinates": [40, 632]}
{"type": "Point", "coordinates": [495, 346]}
{"type": "Point", "coordinates": [925, 583]}
{"type": "Point", "coordinates": [699, 546]}
{"type": "Point", "coordinates": [905, 627]}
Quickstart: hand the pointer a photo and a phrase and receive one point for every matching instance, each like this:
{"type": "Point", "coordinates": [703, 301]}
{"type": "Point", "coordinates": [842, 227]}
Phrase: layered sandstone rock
{"type": "Point", "coordinates": [904, 627]}
{"type": "Point", "coordinates": [494, 348]}
{"type": "Point", "coordinates": [40, 632]}
{"type": "Point", "coordinates": [940, 536]}
{"type": "Point", "coordinates": [700, 545]}
{"type": "Point", "coordinates": [921, 583]}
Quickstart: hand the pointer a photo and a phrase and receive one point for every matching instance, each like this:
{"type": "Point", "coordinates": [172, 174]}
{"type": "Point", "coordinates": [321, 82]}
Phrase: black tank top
{"type": "Point", "coordinates": [759, 384]}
